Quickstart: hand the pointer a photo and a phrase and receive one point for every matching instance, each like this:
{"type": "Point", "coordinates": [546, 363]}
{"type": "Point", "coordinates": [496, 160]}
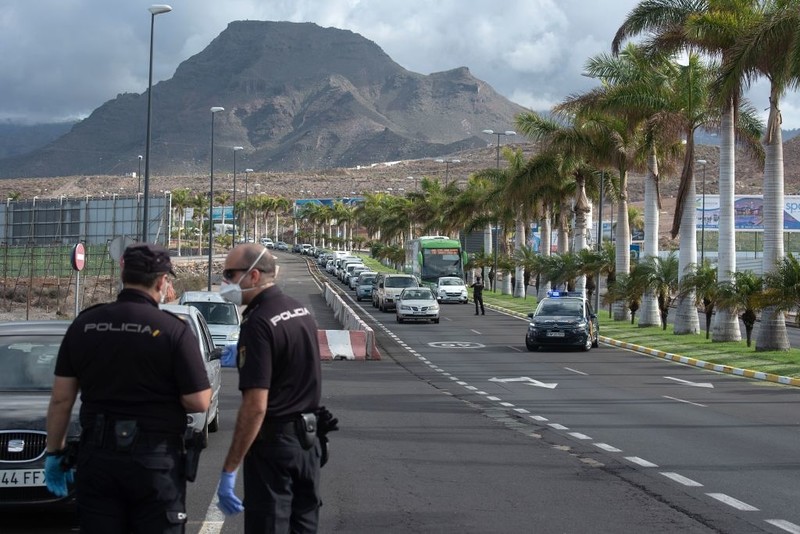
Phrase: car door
{"type": "Point", "coordinates": [213, 365]}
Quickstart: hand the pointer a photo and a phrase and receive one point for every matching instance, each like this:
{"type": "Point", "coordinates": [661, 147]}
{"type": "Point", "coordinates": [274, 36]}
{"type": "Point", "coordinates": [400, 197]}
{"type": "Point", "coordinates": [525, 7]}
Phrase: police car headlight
{"type": "Point", "coordinates": [581, 325]}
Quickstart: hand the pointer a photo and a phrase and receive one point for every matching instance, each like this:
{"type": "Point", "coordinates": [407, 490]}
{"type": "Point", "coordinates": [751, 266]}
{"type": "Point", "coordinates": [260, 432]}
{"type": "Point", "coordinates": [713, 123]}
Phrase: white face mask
{"type": "Point", "coordinates": [232, 292]}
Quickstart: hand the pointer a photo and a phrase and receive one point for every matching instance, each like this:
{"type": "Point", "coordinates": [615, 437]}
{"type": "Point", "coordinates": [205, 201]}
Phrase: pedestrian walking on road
{"type": "Point", "coordinates": [477, 295]}
{"type": "Point", "coordinates": [280, 380]}
{"type": "Point", "coordinates": [139, 370]}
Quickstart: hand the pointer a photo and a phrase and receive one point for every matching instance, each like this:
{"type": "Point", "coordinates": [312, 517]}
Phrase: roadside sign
{"type": "Point", "coordinates": [78, 258]}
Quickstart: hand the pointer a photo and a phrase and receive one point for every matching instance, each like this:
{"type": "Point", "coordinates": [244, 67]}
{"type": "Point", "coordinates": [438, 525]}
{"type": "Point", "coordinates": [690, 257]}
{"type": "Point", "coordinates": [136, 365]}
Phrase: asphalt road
{"type": "Point", "coordinates": [459, 429]}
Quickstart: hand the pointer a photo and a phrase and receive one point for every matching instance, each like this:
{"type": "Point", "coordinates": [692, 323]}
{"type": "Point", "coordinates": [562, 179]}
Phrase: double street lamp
{"type": "Point", "coordinates": [214, 111]}
{"type": "Point", "coordinates": [703, 215]}
{"type": "Point", "coordinates": [154, 10]}
{"type": "Point", "coordinates": [497, 225]}
{"type": "Point", "coordinates": [244, 219]}
{"type": "Point", "coordinates": [235, 150]}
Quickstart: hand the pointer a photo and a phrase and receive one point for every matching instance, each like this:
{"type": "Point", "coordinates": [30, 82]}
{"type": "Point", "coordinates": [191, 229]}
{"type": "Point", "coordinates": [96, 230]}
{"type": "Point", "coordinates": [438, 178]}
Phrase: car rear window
{"type": "Point", "coordinates": [401, 281]}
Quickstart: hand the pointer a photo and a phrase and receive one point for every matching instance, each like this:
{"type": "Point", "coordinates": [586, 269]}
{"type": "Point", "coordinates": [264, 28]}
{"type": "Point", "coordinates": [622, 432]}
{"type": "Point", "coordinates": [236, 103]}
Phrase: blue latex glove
{"type": "Point", "coordinates": [229, 503]}
{"type": "Point", "coordinates": [56, 477]}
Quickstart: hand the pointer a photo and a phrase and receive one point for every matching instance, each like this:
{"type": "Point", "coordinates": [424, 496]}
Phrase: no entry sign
{"type": "Point", "coordinates": [78, 258]}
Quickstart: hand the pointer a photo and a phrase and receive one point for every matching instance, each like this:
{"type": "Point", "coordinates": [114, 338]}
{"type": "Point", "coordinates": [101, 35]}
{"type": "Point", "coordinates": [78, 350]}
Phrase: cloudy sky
{"type": "Point", "coordinates": [63, 58]}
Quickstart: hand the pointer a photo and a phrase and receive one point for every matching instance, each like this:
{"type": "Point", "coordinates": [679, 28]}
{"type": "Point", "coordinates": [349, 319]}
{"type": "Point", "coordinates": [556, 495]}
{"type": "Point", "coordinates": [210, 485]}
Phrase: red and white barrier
{"type": "Point", "coordinates": [345, 345]}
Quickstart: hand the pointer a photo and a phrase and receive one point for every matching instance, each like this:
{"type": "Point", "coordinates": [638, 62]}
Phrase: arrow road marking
{"type": "Point", "coordinates": [694, 384]}
{"type": "Point", "coordinates": [527, 380]}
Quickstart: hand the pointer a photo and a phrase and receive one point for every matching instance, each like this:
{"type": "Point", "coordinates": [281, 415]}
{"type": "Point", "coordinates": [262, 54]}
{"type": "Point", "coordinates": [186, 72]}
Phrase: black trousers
{"type": "Point", "coordinates": [141, 491]}
{"type": "Point", "coordinates": [281, 486]}
{"type": "Point", "coordinates": [479, 300]}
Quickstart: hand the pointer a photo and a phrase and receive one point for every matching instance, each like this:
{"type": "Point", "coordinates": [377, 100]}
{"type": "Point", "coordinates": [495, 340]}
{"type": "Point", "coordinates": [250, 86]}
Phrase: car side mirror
{"type": "Point", "coordinates": [216, 354]}
{"type": "Point", "coordinates": [593, 316]}
{"type": "Point", "coordinates": [530, 315]}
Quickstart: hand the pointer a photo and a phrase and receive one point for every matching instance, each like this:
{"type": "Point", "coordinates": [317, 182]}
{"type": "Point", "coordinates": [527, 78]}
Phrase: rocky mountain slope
{"type": "Point", "coordinates": [296, 96]}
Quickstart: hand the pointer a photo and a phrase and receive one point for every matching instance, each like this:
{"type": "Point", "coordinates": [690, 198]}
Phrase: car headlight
{"type": "Point", "coordinates": [435, 308]}
{"type": "Point", "coordinates": [581, 325]}
{"type": "Point", "coordinates": [405, 308]}
{"type": "Point", "coordinates": [233, 336]}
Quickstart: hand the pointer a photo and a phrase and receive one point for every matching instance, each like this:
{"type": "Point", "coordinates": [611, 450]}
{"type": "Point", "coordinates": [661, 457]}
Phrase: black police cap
{"type": "Point", "coordinates": [147, 258]}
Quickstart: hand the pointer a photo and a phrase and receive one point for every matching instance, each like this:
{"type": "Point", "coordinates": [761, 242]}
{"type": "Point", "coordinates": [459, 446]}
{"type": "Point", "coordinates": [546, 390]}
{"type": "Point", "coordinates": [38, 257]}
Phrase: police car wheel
{"type": "Point", "coordinates": [531, 347]}
{"type": "Point", "coordinates": [596, 341]}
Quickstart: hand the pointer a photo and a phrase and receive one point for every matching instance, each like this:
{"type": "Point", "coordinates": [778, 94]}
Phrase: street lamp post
{"type": "Point", "coordinates": [235, 150]}
{"type": "Point", "coordinates": [139, 176]}
{"type": "Point", "coordinates": [447, 163]}
{"type": "Point", "coordinates": [154, 10]}
{"type": "Point", "coordinates": [497, 224]}
{"type": "Point", "coordinates": [214, 111]}
{"type": "Point", "coordinates": [244, 221]}
{"type": "Point", "coordinates": [703, 215]}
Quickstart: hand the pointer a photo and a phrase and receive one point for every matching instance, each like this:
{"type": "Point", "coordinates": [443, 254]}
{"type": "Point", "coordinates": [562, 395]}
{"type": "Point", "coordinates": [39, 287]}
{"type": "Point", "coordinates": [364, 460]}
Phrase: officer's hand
{"type": "Point", "coordinates": [55, 477]}
{"type": "Point", "coordinates": [228, 502]}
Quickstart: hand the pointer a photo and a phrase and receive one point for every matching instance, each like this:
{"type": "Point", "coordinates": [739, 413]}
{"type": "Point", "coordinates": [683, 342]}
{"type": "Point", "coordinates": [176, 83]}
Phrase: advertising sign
{"type": "Point", "coordinates": [748, 213]}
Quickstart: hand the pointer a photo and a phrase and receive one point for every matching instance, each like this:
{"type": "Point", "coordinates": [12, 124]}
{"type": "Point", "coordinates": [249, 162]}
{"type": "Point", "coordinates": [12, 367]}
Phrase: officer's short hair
{"type": "Point", "coordinates": [267, 262]}
{"type": "Point", "coordinates": [139, 278]}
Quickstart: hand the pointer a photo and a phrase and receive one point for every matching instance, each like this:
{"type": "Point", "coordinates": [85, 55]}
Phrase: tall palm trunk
{"type": "Point", "coordinates": [649, 313]}
{"type": "Point", "coordinates": [772, 330]}
{"type": "Point", "coordinates": [563, 227]}
{"type": "Point", "coordinates": [519, 272]}
{"type": "Point", "coordinates": [686, 319]}
{"type": "Point", "coordinates": [726, 323]}
{"type": "Point", "coordinates": [581, 210]}
{"type": "Point", "coordinates": [544, 248]}
{"type": "Point", "coordinates": [623, 245]}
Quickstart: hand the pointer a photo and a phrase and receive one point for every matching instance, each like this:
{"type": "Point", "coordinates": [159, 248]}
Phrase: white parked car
{"type": "Point", "coordinates": [417, 304]}
{"type": "Point", "coordinates": [223, 318]}
{"type": "Point", "coordinates": [451, 289]}
{"type": "Point", "coordinates": [267, 242]}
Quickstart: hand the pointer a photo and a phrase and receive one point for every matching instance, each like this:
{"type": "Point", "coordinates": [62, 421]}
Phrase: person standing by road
{"type": "Point", "coordinates": [139, 370]}
{"type": "Point", "coordinates": [280, 379]}
{"type": "Point", "coordinates": [477, 295]}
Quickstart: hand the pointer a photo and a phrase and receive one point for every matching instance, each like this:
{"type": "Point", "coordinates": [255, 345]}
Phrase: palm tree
{"type": "Point", "coordinates": [627, 288]}
{"type": "Point", "coordinates": [743, 293]}
{"type": "Point", "coordinates": [531, 263]}
{"type": "Point", "coordinates": [201, 205]}
{"type": "Point", "coordinates": [702, 281]}
{"type": "Point", "coordinates": [713, 27]}
{"type": "Point", "coordinates": [770, 48]}
{"type": "Point", "coordinates": [782, 285]}
{"type": "Point", "coordinates": [661, 276]}
{"type": "Point", "coordinates": [180, 201]}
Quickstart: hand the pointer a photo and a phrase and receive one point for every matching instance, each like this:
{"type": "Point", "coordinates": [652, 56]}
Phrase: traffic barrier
{"type": "Point", "coordinates": [342, 345]}
{"type": "Point", "coordinates": [350, 321]}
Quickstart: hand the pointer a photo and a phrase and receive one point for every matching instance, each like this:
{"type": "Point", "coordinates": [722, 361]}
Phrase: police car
{"type": "Point", "coordinates": [563, 319]}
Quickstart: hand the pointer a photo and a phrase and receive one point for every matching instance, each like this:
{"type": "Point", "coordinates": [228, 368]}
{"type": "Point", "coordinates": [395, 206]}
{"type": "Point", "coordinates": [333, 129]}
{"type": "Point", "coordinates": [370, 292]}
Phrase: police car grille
{"type": "Point", "coordinates": [21, 446]}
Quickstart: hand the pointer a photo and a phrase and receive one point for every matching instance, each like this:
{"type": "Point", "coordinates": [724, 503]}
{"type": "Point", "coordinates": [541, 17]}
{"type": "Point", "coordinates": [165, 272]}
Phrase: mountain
{"type": "Point", "coordinates": [296, 96]}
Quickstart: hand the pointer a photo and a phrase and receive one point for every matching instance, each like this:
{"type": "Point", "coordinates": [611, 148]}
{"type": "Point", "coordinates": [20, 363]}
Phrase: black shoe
{"type": "Point", "coordinates": [483, 313]}
{"type": "Point", "coordinates": [476, 313]}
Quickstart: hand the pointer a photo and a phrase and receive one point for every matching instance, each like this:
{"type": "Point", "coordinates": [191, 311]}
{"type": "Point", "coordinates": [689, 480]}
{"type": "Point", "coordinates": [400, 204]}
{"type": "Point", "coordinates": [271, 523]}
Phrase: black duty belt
{"type": "Point", "coordinates": [142, 440]}
{"type": "Point", "coordinates": [270, 429]}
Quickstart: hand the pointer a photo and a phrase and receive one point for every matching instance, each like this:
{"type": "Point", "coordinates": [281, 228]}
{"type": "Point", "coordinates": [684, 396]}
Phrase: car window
{"type": "Point", "coordinates": [217, 312]}
{"type": "Point", "coordinates": [366, 280]}
{"type": "Point", "coordinates": [418, 294]}
{"type": "Point", "coordinates": [561, 307]}
{"type": "Point", "coordinates": [451, 282]}
{"type": "Point", "coordinates": [400, 281]}
{"type": "Point", "coordinates": [28, 362]}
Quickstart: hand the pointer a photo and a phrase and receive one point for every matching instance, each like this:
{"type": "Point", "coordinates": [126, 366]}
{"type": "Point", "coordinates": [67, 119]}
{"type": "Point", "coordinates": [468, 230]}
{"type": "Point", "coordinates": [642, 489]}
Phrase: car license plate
{"type": "Point", "coordinates": [419, 313]}
{"type": "Point", "coordinates": [555, 334]}
{"type": "Point", "coordinates": [21, 478]}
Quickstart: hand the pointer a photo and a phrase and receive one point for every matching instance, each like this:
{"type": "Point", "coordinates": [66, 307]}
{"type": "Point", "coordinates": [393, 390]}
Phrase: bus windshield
{"type": "Point", "coordinates": [441, 262]}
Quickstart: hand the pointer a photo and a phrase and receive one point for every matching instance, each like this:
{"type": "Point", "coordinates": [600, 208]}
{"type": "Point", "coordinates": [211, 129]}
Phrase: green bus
{"type": "Point", "coordinates": [430, 257]}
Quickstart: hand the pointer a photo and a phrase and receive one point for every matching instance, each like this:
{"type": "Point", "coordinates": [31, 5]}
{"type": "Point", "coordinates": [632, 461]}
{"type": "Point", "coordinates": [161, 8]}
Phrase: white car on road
{"type": "Point", "coordinates": [417, 304]}
{"type": "Point", "coordinates": [451, 289]}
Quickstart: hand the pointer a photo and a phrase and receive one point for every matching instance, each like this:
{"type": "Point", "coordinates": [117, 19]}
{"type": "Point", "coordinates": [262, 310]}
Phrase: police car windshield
{"type": "Point", "coordinates": [561, 307]}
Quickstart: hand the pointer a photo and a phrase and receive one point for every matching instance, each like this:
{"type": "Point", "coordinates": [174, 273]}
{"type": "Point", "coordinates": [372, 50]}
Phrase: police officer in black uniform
{"type": "Point", "coordinates": [139, 371]}
{"type": "Point", "coordinates": [279, 376]}
{"type": "Point", "coordinates": [477, 295]}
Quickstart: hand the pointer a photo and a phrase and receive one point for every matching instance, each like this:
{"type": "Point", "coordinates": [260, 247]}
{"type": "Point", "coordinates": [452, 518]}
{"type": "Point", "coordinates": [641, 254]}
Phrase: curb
{"type": "Point", "coordinates": [747, 373]}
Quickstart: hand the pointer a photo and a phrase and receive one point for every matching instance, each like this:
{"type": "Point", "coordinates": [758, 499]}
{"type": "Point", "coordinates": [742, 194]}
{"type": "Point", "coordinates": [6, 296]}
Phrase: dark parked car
{"type": "Point", "coordinates": [563, 319]}
{"type": "Point", "coordinates": [28, 353]}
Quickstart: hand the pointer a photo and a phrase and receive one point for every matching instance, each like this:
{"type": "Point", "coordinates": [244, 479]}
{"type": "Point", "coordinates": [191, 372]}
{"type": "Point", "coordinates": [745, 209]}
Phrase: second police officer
{"type": "Point", "coordinates": [280, 379]}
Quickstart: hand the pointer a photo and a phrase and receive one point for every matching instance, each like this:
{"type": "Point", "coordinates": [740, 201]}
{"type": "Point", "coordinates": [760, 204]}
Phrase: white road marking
{"type": "Point", "coordinates": [521, 410]}
{"type": "Point", "coordinates": [481, 393]}
{"type": "Point", "coordinates": [558, 426]}
{"type": "Point", "coordinates": [461, 383]}
{"type": "Point", "coordinates": [606, 447]}
{"type": "Point", "coordinates": [689, 383]}
{"type": "Point", "coordinates": [784, 525]}
{"type": "Point", "coordinates": [517, 349]}
{"type": "Point", "coordinates": [539, 418]}
{"type": "Point", "coordinates": [493, 398]}
{"type": "Point", "coordinates": [640, 461]}
{"type": "Point", "coordinates": [680, 479]}
{"type": "Point", "coordinates": [472, 330]}
{"type": "Point", "coordinates": [471, 388]}
{"type": "Point", "coordinates": [526, 380]}
{"type": "Point", "coordinates": [507, 404]}
{"type": "Point", "coordinates": [685, 401]}
{"type": "Point", "coordinates": [735, 503]}
{"type": "Point", "coordinates": [214, 520]}
{"type": "Point", "coordinates": [576, 371]}
{"type": "Point", "coordinates": [578, 435]}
